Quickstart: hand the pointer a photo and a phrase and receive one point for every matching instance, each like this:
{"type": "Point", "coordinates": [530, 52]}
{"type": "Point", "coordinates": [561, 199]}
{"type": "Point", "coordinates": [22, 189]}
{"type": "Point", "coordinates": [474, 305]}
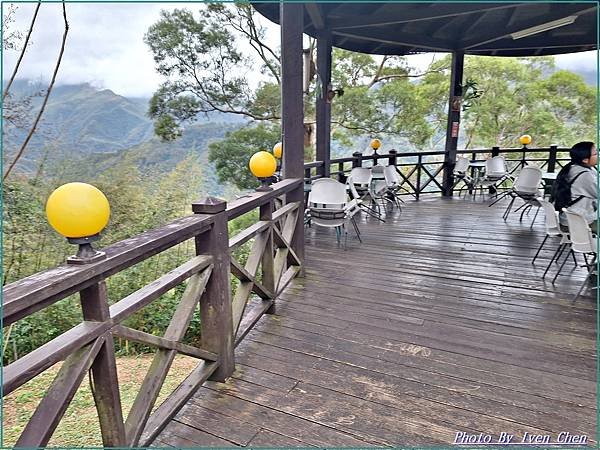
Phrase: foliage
{"type": "Point", "coordinates": [201, 62]}
{"type": "Point", "coordinates": [231, 155]}
{"type": "Point", "coordinates": [517, 96]}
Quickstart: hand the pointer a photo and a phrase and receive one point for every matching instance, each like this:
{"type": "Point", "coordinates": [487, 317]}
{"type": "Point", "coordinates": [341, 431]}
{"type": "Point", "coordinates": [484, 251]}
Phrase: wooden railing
{"type": "Point", "coordinates": [270, 266]}
{"type": "Point", "coordinates": [421, 172]}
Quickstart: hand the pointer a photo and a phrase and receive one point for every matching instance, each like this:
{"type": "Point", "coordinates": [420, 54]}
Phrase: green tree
{"type": "Point", "coordinates": [199, 55]}
{"type": "Point", "coordinates": [231, 155]}
{"type": "Point", "coordinates": [518, 96]}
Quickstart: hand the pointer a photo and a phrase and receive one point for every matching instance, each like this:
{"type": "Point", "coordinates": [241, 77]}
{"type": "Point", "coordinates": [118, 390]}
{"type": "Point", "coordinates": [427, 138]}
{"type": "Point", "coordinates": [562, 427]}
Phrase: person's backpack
{"type": "Point", "coordinates": [561, 192]}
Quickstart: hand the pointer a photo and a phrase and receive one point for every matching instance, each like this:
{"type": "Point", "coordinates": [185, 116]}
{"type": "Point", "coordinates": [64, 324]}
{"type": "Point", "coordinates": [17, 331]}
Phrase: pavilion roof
{"type": "Point", "coordinates": [475, 28]}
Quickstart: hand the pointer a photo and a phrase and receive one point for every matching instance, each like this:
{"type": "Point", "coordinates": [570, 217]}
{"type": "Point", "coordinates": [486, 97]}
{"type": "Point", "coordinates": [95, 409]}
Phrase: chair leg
{"type": "Point", "coordinates": [527, 208]}
{"type": "Point", "coordinates": [562, 250]}
{"type": "Point", "coordinates": [552, 259]}
{"type": "Point", "coordinates": [560, 269]}
{"type": "Point", "coordinates": [508, 208]}
{"type": "Point", "coordinates": [574, 259]}
{"type": "Point", "coordinates": [345, 237]}
{"type": "Point", "coordinates": [539, 249]}
{"type": "Point", "coordinates": [356, 229]}
{"type": "Point", "coordinates": [582, 287]}
{"type": "Point", "coordinates": [498, 199]}
{"type": "Point", "coordinates": [534, 217]}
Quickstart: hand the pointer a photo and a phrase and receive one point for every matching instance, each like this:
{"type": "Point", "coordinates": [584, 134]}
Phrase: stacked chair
{"type": "Point", "coordinates": [328, 206]}
{"type": "Point", "coordinates": [393, 184]}
{"type": "Point", "coordinates": [362, 189]}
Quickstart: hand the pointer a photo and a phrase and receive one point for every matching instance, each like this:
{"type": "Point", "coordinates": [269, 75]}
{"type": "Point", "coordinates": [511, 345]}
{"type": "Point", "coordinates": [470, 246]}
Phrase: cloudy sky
{"type": "Point", "coordinates": [105, 45]}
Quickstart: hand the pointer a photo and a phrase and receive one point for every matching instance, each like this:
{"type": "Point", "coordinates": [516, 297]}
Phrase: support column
{"type": "Point", "coordinates": [216, 315]}
{"type": "Point", "coordinates": [323, 106]}
{"type": "Point", "coordinates": [292, 108]}
{"type": "Point", "coordinates": [452, 129]}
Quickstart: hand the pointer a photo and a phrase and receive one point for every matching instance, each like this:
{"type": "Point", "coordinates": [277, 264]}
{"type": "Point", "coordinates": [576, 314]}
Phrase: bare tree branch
{"type": "Point", "coordinates": [48, 91]}
{"type": "Point", "coordinates": [16, 69]}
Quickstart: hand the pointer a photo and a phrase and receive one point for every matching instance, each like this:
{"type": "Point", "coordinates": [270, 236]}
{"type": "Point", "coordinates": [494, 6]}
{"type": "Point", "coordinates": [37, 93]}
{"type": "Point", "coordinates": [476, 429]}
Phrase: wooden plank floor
{"type": "Point", "coordinates": [437, 323]}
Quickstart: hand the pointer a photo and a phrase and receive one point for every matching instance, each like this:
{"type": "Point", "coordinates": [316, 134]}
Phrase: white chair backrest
{"type": "Point", "coordinates": [361, 175]}
{"type": "Point", "coordinates": [582, 239]}
{"type": "Point", "coordinates": [462, 164]}
{"type": "Point", "coordinates": [495, 166]}
{"type": "Point", "coordinates": [552, 227]}
{"type": "Point", "coordinates": [391, 176]}
{"type": "Point", "coordinates": [352, 186]}
{"type": "Point", "coordinates": [528, 180]}
{"type": "Point", "coordinates": [327, 192]}
{"type": "Point", "coordinates": [377, 170]}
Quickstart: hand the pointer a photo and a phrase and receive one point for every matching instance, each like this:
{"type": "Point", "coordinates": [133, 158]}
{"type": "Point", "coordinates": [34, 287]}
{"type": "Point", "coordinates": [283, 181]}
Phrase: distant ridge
{"type": "Point", "coordinates": [84, 122]}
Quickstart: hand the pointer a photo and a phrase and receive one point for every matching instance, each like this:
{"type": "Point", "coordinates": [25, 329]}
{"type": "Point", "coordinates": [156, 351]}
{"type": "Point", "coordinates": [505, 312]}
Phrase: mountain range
{"type": "Point", "coordinates": [84, 123]}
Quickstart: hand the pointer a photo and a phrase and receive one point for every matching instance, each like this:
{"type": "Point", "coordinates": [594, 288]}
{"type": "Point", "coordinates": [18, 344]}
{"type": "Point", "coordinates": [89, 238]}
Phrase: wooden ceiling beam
{"type": "Point", "coordinates": [440, 12]}
{"type": "Point", "coordinates": [316, 15]}
{"type": "Point", "coordinates": [436, 45]}
{"type": "Point", "coordinates": [565, 10]}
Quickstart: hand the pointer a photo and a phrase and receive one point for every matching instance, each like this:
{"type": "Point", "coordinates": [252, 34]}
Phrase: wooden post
{"type": "Point", "coordinates": [215, 305]}
{"type": "Point", "coordinates": [357, 161]}
{"type": "Point", "coordinates": [524, 156]}
{"type": "Point", "coordinates": [94, 305]}
{"type": "Point", "coordinates": [292, 108]}
{"type": "Point", "coordinates": [323, 106]}
{"type": "Point", "coordinates": [393, 159]}
{"type": "Point", "coordinates": [418, 184]}
{"type": "Point", "coordinates": [552, 158]}
{"type": "Point", "coordinates": [452, 129]}
{"type": "Point", "coordinates": [267, 264]}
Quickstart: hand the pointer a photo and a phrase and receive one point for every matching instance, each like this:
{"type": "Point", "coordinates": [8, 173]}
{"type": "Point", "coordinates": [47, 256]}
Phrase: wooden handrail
{"type": "Point", "coordinates": [89, 345]}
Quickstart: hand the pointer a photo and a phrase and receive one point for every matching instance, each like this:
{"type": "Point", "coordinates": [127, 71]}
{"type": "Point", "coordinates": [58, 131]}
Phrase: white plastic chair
{"type": "Point", "coordinates": [496, 173]}
{"type": "Point", "coordinates": [525, 187]}
{"type": "Point", "coordinates": [582, 241]}
{"type": "Point", "coordinates": [328, 206]}
{"type": "Point", "coordinates": [552, 230]}
{"type": "Point", "coordinates": [393, 185]}
{"type": "Point", "coordinates": [361, 180]}
{"type": "Point", "coordinates": [461, 174]}
{"type": "Point", "coordinates": [551, 222]}
{"type": "Point", "coordinates": [378, 186]}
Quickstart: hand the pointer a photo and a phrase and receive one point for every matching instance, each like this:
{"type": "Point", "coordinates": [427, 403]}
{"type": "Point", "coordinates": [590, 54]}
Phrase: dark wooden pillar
{"type": "Point", "coordinates": [323, 106]}
{"type": "Point", "coordinates": [292, 107]}
{"type": "Point", "coordinates": [552, 158]}
{"type": "Point", "coordinates": [452, 130]}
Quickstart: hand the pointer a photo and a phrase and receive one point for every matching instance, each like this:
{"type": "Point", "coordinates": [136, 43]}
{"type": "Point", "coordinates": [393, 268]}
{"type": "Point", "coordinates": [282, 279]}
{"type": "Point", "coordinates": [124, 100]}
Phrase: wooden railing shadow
{"type": "Point", "coordinates": [225, 321]}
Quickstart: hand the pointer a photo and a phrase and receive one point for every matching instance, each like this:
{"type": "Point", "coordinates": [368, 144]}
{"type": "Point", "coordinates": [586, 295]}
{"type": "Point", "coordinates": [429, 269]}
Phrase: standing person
{"type": "Point", "coordinates": [579, 178]}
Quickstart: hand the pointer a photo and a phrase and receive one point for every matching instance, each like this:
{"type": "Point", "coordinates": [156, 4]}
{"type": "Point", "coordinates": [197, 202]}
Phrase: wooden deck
{"type": "Point", "coordinates": [436, 324]}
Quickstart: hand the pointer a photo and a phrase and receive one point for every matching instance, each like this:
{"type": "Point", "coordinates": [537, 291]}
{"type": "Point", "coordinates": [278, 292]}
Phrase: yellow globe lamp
{"type": "Point", "coordinates": [525, 139]}
{"type": "Point", "coordinates": [375, 144]}
{"type": "Point", "coordinates": [79, 212]}
{"type": "Point", "coordinates": [278, 150]}
{"type": "Point", "coordinates": [263, 165]}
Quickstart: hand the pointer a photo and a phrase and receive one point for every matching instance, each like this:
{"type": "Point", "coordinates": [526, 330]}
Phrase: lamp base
{"type": "Point", "coordinates": [98, 256]}
{"type": "Point", "coordinates": [264, 186]}
{"type": "Point", "coordinates": [86, 253]}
